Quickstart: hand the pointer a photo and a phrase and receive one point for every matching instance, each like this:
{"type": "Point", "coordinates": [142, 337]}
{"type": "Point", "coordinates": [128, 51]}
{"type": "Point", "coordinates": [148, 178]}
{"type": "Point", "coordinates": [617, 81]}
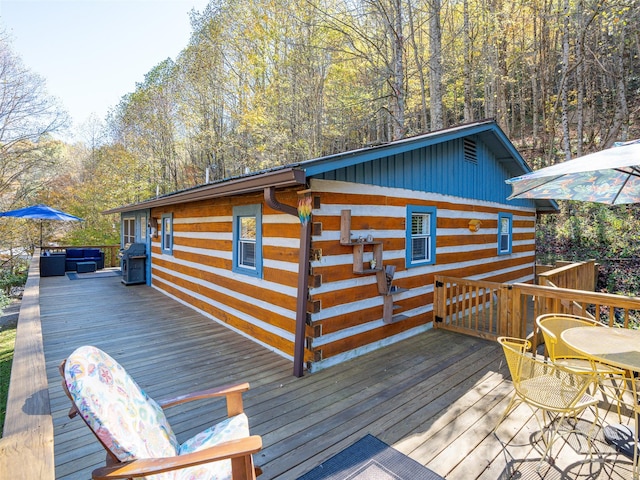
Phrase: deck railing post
{"type": "Point", "coordinates": [438, 301]}
{"type": "Point", "coordinates": [504, 310]}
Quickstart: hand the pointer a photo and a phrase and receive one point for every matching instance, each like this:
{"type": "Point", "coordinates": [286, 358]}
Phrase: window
{"type": "Point", "coordinates": [142, 222]}
{"type": "Point", "coordinates": [420, 236]}
{"type": "Point", "coordinates": [128, 230]}
{"type": "Point", "coordinates": [247, 240]}
{"type": "Point", "coordinates": [167, 234]}
{"type": "Point", "coordinates": [505, 233]}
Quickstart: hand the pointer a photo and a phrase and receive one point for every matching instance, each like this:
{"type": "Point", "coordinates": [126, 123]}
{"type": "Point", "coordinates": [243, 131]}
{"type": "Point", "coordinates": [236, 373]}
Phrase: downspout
{"type": "Point", "coordinates": [303, 279]}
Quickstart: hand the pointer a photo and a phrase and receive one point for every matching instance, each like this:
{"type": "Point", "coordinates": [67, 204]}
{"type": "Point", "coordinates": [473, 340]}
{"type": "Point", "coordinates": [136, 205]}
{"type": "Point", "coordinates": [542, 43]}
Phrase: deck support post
{"type": "Point", "coordinates": [303, 280]}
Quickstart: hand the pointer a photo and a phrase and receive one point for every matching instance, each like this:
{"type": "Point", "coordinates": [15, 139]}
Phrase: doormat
{"type": "Point", "coordinates": [370, 459]}
{"type": "Point", "coordinates": [96, 274]}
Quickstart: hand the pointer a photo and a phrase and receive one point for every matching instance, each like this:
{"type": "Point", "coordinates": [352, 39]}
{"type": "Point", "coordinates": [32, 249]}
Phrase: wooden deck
{"type": "Point", "coordinates": [435, 397]}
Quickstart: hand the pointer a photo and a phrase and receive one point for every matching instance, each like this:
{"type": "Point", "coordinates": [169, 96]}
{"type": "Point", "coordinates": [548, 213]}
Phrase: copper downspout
{"type": "Point", "coordinates": [303, 279]}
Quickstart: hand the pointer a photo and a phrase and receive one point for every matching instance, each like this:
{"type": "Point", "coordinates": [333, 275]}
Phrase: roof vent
{"type": "Point", "coordinates": [470, 151]}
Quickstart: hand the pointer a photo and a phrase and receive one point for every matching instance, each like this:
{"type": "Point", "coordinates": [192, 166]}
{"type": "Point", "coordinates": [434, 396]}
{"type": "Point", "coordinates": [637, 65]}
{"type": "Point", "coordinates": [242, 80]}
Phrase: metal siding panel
{"type": "Point", "coordinates": [439, 168]}
{"type": "Point", "coordinates": [390, 178]}
{"type": "Point", "coordinates": [379, 177]}
{"type": "Point", "coordinates": [417, 171]}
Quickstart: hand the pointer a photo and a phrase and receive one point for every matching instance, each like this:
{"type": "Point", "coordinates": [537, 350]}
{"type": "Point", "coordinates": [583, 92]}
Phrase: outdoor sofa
{"type": "Point", "coordinates": [82, 255]}
{"type": "Point", "coordinates": [56, 264]}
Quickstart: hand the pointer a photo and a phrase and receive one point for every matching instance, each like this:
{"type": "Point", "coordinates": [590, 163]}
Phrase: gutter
{"type": "Point", "coordinates": [303, 279]}
{"type": "Point", "coordinates": [281, 178]}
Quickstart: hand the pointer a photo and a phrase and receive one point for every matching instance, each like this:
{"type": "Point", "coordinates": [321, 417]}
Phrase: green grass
{"type": "Point", "coordinates": [7, 341]}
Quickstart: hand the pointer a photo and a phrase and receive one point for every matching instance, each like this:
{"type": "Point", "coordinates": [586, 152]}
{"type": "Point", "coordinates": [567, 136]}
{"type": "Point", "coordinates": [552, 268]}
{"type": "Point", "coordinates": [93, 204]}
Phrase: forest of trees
{"type": "Point", "coordinates": [270, 82]}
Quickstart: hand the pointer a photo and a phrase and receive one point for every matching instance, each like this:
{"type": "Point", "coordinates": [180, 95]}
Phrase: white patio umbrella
{"type": "Point", "coordinates": [610, 176]}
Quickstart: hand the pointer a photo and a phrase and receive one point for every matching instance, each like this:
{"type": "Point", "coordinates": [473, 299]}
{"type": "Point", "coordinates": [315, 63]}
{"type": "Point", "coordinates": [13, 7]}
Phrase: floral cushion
{"type": "Point", "coordinates": [131, 424]}
{"type": "Point", "coordinates": [232, 428]}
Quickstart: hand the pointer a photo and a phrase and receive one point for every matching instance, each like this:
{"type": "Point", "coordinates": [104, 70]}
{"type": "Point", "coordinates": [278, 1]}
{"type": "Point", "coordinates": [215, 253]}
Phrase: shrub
{"type": "Point", "coordinates": [10, 280]}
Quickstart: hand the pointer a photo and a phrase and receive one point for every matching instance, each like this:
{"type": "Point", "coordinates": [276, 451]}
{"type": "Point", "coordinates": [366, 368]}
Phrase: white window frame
{"type": "Point", "coordinates": [128, 230]}
{"type": "Point", "coordinates": [167, 233]}
{"type": "Point", "coordinates": [426, 235]}
{"type": "Point", "coordinates": [505, 233]}
{"type": "Point", "coordinates": [242, 242]}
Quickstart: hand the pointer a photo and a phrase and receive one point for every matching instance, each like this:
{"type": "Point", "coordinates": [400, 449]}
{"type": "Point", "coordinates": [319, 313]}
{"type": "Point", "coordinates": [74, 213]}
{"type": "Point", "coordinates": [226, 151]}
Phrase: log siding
{"type": "Point", "coordinates": [199, 273]}
{"type": "Point", "coordinates": [348, 320]}
{"type": "Point", "coordinates": [345, 314]}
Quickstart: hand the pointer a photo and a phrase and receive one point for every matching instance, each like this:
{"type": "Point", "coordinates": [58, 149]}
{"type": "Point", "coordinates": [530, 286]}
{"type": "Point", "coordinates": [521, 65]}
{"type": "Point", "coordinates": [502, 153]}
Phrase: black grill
{"type": "Point", "coordinates": [133, 258]}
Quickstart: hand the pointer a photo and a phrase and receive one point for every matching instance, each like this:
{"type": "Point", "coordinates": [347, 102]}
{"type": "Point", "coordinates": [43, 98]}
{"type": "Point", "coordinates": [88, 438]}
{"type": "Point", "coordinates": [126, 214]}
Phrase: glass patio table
{"type": "Point", "coordinates": [619, 347]}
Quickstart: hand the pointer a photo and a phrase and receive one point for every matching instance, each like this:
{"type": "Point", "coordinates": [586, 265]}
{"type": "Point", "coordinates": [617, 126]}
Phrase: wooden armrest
{"type": "Point", "coordinates": [233, 394]}
{"type": "Point", "coordinates": [149, 466]}
{"type": "Point", "coordinates": [210, 393]}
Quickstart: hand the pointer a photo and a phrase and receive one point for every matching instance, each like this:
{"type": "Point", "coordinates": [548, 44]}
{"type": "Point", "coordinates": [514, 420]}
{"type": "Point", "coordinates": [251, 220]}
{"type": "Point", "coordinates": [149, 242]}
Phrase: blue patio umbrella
{"type": "Point", "coordinates": [41, 212]}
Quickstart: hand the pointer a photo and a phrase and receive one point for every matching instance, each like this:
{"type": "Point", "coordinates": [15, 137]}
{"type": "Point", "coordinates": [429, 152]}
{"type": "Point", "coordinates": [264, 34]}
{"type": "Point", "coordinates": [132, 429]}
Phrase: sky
{"type": "Point", "coordinates": [92, 52]}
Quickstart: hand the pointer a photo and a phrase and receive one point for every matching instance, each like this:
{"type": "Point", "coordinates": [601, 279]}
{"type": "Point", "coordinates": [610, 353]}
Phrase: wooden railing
{"type": "Point", "coordinates": [26, 447]}
{"type": "Point", "coordinates": [577, 276]}
{"type": "Point", "coordinates": [489, 310]}
{"type": "Point", "coordinates": [471, 307]}
{"type": "Point", "coordinates": [111, 258]}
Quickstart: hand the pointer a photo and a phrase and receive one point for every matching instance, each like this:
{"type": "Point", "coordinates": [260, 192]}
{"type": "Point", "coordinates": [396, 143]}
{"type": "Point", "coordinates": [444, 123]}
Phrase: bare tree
{"type": "Point", "coordinates": [28, 118]}
{"type": "Point", "coordinates": [435, 66]}
{"type": "Point", "coordinates": [467, 68]}
{"type": "Point", "coordinates": [564, 88]}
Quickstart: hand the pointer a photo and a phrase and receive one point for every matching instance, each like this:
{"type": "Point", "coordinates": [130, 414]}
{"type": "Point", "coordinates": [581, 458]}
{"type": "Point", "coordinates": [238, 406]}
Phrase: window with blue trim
{"type": "Point", "coordinates": [505, 233]}
{"type": "Point", "coordinates": [420, 236]}
{"type": "Point", "coordinates": [167, 233]}
{"type": "Point", "coordinates": [247, 240]}
{"type": "Point", "coordinates": [128, 230]}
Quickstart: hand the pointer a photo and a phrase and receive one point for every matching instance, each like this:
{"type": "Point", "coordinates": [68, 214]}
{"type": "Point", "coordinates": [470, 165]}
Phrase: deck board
{"type": "Point", "coordinates": [435, 397]}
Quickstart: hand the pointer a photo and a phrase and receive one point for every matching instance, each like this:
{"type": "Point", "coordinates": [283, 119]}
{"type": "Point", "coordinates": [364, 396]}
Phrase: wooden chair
{"type": "Point", "coordinates": [549, 388]}
{"type": "Point", "coordinates": [552, 325]}
{"type": "Point", "coordinates": [134, 431]}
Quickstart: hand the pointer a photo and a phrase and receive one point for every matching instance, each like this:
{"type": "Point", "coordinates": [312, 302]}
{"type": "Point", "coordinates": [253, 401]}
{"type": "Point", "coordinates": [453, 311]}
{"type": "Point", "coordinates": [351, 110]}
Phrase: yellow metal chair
{"type": "Point", "coordinates": [547, 388]}
{"type": "Point", "coordinates": [552, 325]}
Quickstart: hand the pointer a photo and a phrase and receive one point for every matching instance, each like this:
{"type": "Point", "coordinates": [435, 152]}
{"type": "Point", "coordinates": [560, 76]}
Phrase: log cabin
{"type": "Point", "coordinates": [327, 259]}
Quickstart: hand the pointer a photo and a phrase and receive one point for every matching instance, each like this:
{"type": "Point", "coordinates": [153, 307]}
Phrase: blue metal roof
{"type": "Point", "coordinates": [434, 162]}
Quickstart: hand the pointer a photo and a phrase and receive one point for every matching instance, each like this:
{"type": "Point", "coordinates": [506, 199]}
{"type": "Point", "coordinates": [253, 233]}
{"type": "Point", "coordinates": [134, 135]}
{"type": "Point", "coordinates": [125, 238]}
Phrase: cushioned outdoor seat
{"type": "Point", "coordinates": [52, 264]}
{"type": "Point", "coordinates": [133, 428]}
{"type": "Point", "coordinates": [79, 255]}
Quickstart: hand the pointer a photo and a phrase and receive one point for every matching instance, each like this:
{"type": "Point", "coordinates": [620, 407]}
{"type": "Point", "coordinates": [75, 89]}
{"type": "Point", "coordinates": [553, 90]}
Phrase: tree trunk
{"type": "Point", "coordinates": [417, 58]}
{"type": "Point", "coordinates": [564, 87]}
{"type": "Point", "coordinates": [467, 66]}
{"type": "Point", "coordinates": [397, 40]}
{"type": "Point", "coordinates": [435, 64]}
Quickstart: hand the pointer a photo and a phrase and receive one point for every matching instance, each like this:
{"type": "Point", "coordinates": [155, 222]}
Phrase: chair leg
{"type": "Point", "coordinates": [555, 432]}
{"type": "Point", "coordinates": [507, 411]}
{"type": "Point", "coordinates": [242, 468]}
{"type": "Point", "coordinates": [549, 442]}
{"type": "Point", "coordinates": [617, 391]}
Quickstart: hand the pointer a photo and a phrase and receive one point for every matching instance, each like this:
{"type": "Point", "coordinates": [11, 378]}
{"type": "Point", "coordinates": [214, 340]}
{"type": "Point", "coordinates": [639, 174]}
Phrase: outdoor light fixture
{"type": "Point", "coordinates": [474, 225]}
